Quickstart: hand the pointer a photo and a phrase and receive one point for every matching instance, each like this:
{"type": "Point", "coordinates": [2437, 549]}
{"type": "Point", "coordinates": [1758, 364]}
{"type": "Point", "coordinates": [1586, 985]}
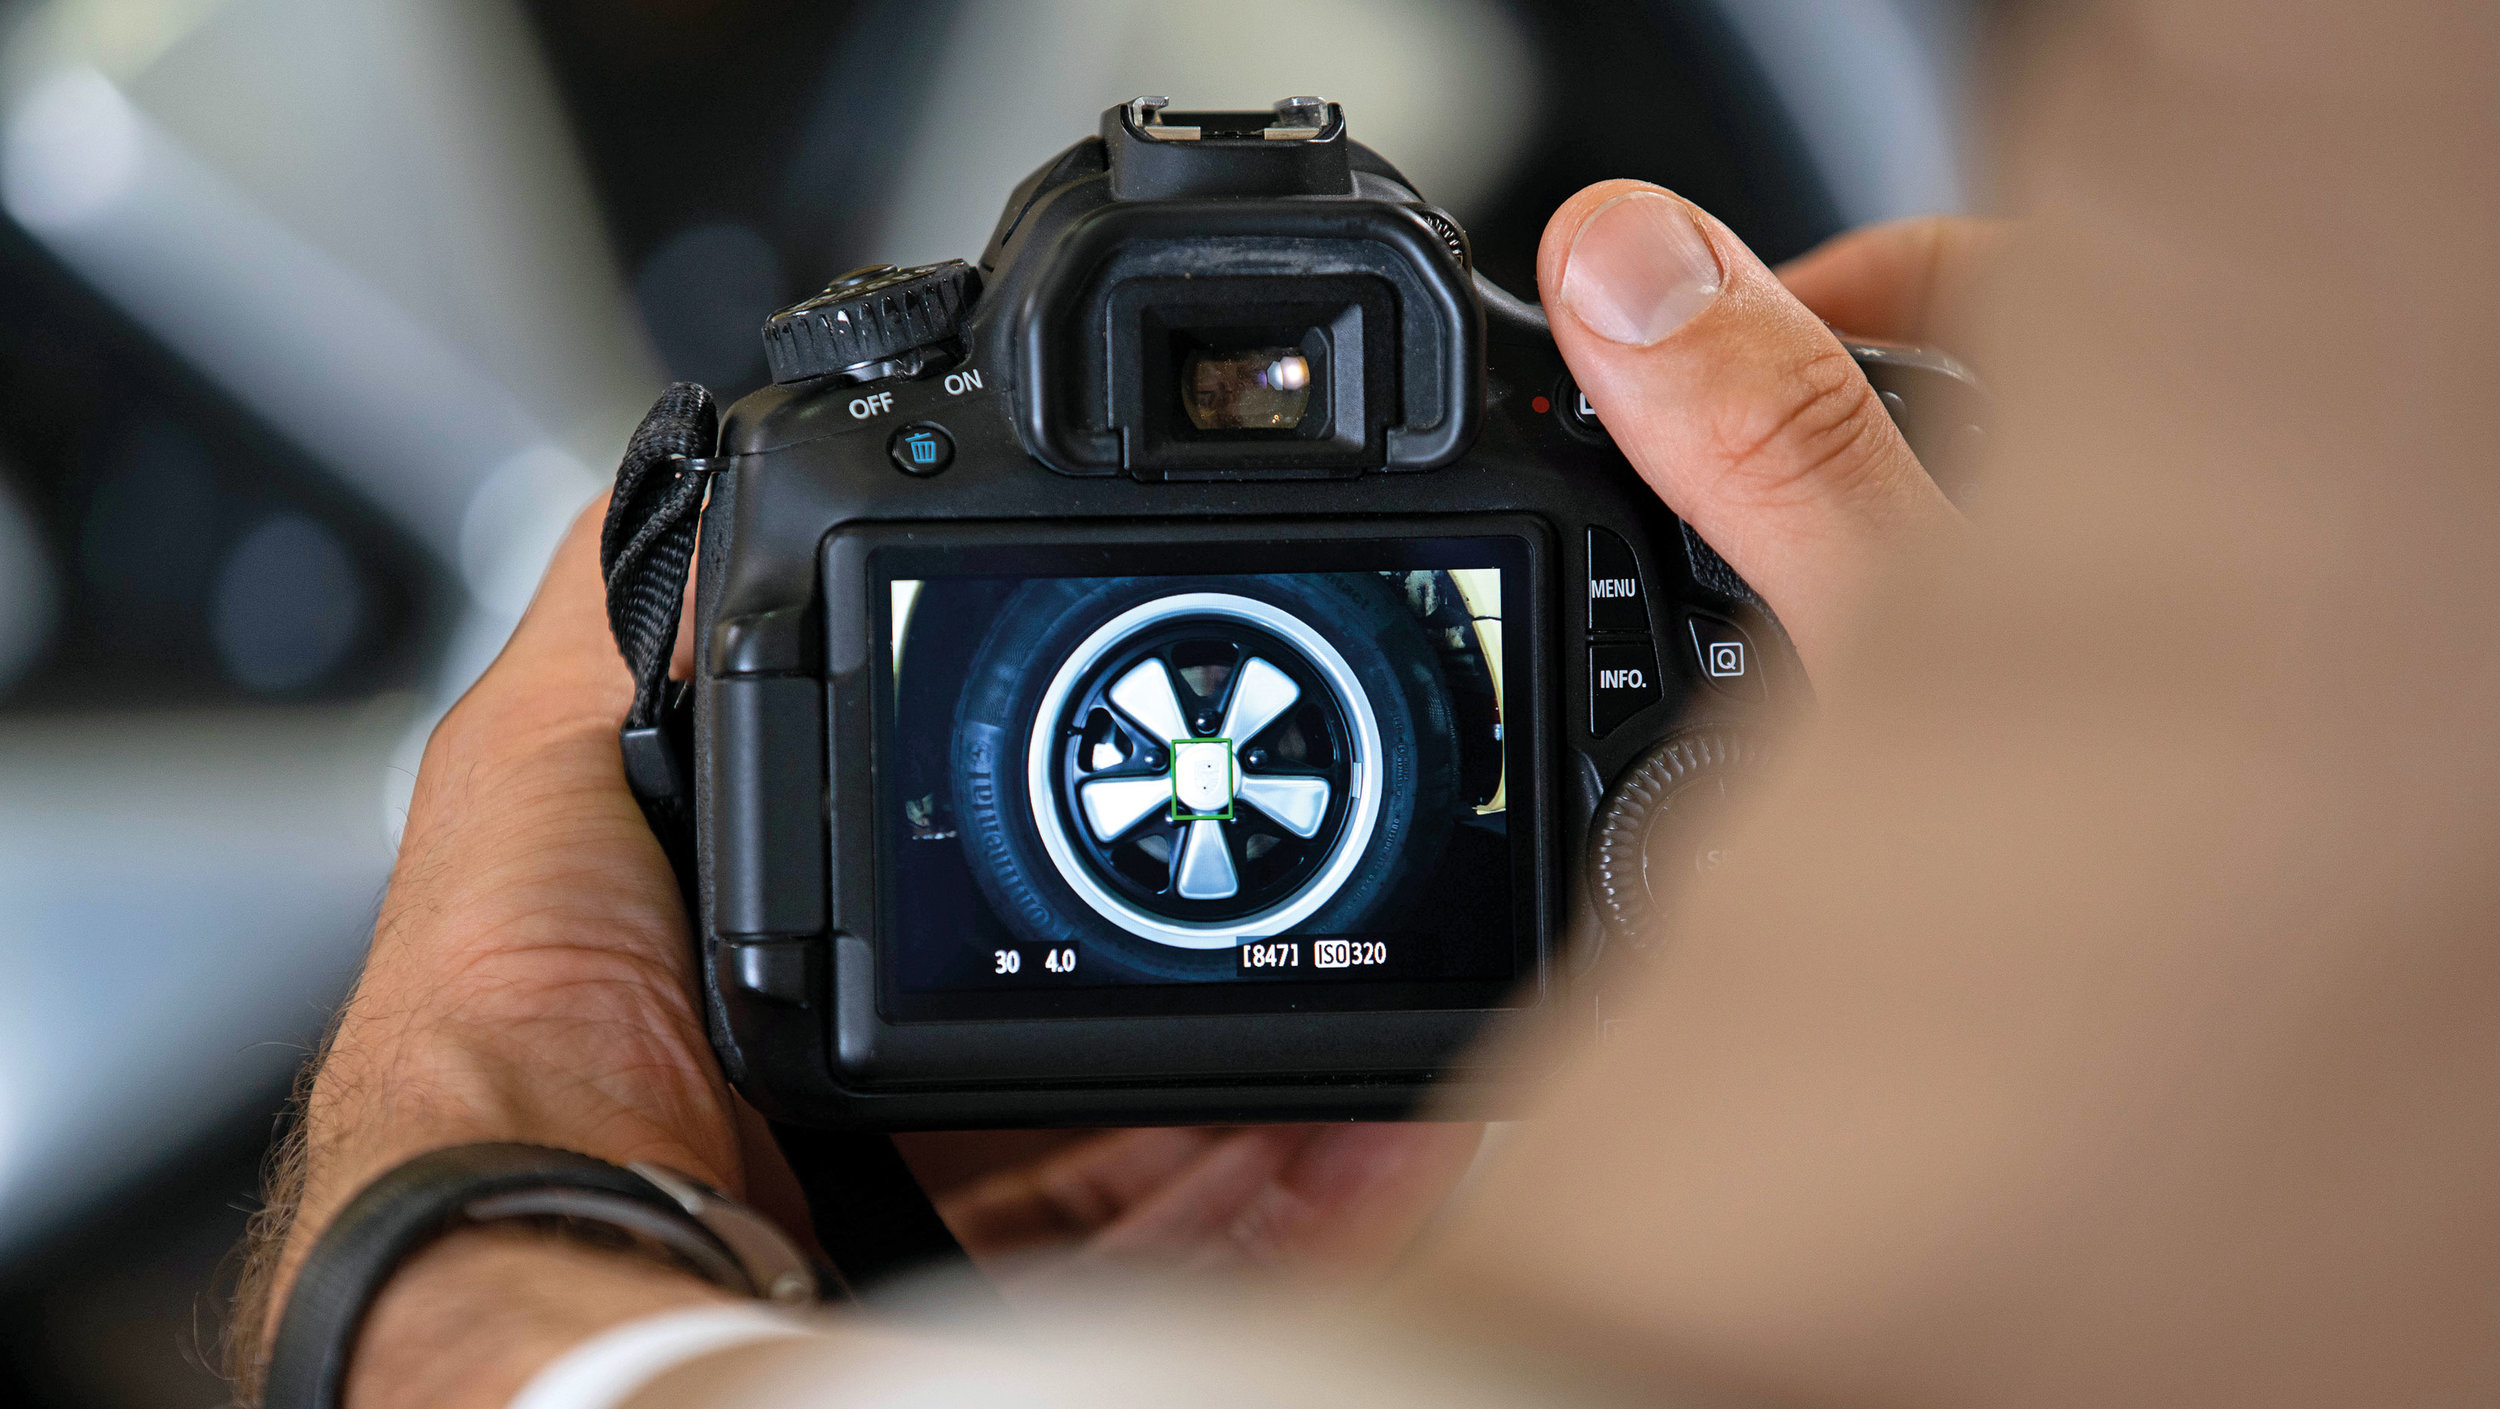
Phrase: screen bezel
{"type": "Point", "coordinates": [1054, 555]}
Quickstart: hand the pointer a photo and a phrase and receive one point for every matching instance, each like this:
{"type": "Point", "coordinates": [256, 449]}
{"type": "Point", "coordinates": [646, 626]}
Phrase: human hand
{"type": "Point", "coordinates": [530, 976]}
{"type": "Point", "coordinates": [1731, 396]}
{"type": "Point", "coordinates": [1324, 1204]}
{"type": "Point", "coordinates": [532, 979]}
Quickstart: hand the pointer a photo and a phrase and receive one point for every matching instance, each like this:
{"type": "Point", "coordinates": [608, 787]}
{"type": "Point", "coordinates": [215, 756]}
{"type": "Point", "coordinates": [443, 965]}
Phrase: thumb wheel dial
{"type": "Point", "coordinates": [1662, 825]}
{"type": "Point", "coordinates": [871, 315]}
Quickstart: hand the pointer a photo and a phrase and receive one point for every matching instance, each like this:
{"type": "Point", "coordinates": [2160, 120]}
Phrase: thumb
{"type": "Point", "coordinates": [1736, 404]}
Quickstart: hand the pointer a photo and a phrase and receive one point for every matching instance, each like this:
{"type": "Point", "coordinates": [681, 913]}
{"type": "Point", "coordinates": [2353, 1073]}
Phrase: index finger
{"type": "Point", "coordinates": [1897, 280]}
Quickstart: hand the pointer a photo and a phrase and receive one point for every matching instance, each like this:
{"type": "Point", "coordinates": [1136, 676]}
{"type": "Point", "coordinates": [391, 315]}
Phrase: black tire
{"type": "Point", "coordinates": [1363, 616]}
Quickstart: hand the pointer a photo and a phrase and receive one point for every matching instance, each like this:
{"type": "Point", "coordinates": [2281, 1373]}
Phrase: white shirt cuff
{"type": "Point", "coordinates": [604, 1370]}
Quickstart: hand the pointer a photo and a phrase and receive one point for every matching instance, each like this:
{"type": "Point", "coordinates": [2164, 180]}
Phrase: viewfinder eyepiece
{"type": "Point", "coordinates": [1251, 389]}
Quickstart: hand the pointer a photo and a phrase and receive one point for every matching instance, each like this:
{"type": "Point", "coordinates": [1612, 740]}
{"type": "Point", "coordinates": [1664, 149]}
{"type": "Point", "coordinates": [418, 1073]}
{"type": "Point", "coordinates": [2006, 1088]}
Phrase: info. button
{"type": "Point", "coordinates": [1623, 681]}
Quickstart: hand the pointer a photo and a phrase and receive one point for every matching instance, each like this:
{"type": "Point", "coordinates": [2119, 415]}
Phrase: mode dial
{"type": "Point", "coordinates": [1662, 825]}
{"type": "Point", "coordinates": [868, 316]}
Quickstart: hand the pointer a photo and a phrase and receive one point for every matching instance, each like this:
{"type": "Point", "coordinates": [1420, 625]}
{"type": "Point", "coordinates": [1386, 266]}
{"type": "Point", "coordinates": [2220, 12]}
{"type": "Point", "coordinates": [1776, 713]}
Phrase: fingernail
{"type": "Point", "coordinates": [1640, 268]}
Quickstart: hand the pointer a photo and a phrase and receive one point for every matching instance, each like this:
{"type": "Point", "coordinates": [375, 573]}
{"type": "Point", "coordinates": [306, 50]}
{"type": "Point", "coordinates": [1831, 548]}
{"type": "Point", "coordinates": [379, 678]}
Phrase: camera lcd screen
{"type": "Point", "coordinates": [1124, 778]}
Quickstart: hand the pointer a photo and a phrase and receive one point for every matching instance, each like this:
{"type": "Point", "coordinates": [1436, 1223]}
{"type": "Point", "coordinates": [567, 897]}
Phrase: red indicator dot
{"type": "Point", "coordinates": [1539, 405]}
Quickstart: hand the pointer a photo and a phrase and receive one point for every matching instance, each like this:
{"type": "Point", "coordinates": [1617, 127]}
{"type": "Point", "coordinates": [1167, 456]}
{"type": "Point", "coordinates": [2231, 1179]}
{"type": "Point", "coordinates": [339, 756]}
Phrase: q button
{"type": "Point", "coordinates": [1726, 657]}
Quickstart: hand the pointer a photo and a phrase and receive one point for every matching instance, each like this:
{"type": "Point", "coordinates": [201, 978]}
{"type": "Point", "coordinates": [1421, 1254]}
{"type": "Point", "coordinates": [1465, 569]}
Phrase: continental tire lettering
{"type": "Point", "coordinates": [983, 804]}
{"type": "Point", "coordinates": [1393, 821]}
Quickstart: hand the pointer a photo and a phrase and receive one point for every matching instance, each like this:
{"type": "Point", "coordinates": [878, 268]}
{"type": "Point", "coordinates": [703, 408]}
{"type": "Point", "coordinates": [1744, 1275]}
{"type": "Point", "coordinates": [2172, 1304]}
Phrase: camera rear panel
{"type": "Point", "coordinates": [822, 774]}
{"type": "Point", "coordinates": [1170, 670]}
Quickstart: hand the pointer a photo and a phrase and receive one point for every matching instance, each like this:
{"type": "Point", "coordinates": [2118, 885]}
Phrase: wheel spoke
{"type": "Point", "coordinates": [1113, 805]}
{"type": "Point", "coordinates": [1296, 802]}
{"type": "Point", "coordinates": [1205, 871]}
{"type": "Point", "coordinates": [1261, 692]}
{"type": "Point", "coordinates": [1146, 696]}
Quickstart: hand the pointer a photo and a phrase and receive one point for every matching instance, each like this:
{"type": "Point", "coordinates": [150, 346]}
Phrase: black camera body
{"type": "Point", "coordinates": [1176, 669]}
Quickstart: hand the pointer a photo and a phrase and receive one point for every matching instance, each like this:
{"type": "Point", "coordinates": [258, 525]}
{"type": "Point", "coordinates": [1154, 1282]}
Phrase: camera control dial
{"type": "Point", "coordinates": [870, 317]}
{"type": "Point", "coordinates": [1662, 825]}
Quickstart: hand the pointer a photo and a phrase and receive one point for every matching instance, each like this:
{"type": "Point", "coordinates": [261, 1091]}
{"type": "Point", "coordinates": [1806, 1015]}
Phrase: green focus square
{"type": "Point", "coordinates": [1204, 776]}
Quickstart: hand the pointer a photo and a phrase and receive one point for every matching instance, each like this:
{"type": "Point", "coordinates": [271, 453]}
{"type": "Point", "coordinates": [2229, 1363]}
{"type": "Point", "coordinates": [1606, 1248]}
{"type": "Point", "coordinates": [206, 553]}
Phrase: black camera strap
{"type": "Point", "coordinates": [870, 1215]}
{"type": "Point", "coordinates": [646, 548]}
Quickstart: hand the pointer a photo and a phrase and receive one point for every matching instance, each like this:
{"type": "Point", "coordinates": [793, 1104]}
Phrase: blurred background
{"type": "Point", "coordinates": [320, 318]}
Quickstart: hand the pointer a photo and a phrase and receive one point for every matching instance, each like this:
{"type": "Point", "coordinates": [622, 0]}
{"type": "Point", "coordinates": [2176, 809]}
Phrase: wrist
{"type": "Point", "coordinates": [582, 1047]}
{"type": "Point", "coordinates": [364, 1119]}
{"type": "Point", "coordinates": [470, 1319]}
{"type": "Point", "coordinates": [528, 1298]}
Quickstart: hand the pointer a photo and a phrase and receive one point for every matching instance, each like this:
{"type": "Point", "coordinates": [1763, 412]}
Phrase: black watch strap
{"type": "Point", "coordinates": [427, 1197]}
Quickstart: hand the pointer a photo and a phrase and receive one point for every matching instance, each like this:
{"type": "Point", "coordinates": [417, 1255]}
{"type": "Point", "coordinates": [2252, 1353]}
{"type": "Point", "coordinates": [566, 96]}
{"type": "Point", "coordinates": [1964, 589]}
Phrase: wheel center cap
{"type": "Point", "coordinates": [1203, 778]}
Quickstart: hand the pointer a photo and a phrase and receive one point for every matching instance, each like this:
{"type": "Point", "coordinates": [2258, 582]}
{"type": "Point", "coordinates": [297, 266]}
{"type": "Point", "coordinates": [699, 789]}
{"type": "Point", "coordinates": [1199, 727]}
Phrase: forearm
{"type": "Point", "coordinates": [469, 1320]}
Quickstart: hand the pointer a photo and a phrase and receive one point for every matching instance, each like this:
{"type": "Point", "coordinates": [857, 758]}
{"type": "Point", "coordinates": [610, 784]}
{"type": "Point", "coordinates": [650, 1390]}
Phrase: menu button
{"type": "Point", "coordinates": [1614, 585]}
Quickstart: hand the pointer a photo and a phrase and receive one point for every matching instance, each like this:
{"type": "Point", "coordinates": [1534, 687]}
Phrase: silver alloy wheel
{"type": "Point", "coordinates": [1212, 771]}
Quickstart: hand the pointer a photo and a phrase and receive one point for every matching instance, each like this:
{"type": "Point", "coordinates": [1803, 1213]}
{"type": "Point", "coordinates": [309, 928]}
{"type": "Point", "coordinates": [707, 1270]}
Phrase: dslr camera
{"type": "Point", "coordinates": [1202, 662]}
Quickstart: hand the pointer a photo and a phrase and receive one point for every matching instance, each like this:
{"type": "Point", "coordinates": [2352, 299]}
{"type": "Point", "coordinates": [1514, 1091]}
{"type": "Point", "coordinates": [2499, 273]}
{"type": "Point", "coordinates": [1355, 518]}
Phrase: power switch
{"type": "Point", "coordinates": [1616, 601]}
